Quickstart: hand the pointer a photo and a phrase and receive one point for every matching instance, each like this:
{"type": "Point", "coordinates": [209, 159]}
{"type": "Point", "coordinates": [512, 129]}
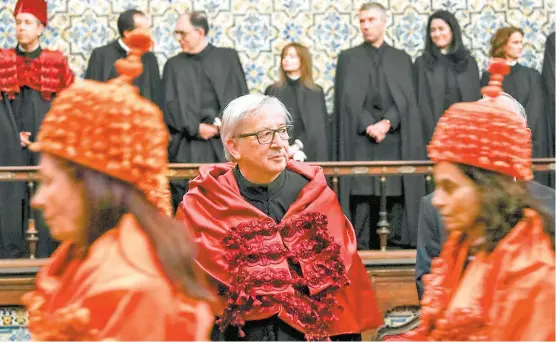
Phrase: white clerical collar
{"type": "Point", "coordinates": [512, 63]}
{"type": "Point", "coordinates": [122, 44]}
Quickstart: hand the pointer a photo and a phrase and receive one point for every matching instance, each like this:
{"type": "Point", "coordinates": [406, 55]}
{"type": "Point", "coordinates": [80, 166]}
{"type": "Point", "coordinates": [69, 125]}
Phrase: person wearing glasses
{"type": "Point", "coordinates": [272, 237]}
{"type": "Point", "coordinates": [197, 84]}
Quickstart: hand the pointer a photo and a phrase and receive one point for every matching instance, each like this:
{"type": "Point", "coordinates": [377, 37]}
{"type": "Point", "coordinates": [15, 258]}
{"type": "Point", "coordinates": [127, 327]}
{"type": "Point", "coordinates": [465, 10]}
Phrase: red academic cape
{"type": "Point", "coordinates": [244, 249]}
{"type": "Point", "coordinates": [505, 295]}
{"type": "Point", "coordinates": [116, 292]}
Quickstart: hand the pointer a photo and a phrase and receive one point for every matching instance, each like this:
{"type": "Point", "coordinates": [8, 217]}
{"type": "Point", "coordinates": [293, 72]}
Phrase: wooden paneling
{"type": "Point", "coordinates": [392, 274]}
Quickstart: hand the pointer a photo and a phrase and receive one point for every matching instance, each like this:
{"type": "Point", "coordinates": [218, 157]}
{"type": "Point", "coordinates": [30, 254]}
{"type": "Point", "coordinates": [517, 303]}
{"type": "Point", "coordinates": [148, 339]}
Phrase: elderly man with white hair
{"type": "Point", "coordinates": [273, 239]}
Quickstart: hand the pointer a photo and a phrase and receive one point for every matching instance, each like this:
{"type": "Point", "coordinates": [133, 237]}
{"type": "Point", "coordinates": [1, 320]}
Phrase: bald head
{"type": "Point", "coordinates": [191, 31]}
{"type": "Point", "coordinates": [507, 102]}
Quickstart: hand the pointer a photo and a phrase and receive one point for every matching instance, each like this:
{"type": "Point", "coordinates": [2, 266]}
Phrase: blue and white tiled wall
{"type": "Point", "coordinates": [259, 28]}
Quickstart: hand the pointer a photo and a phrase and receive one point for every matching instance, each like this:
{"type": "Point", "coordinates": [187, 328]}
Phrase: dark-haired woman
{"type": "Point", "coordinates": [124, 269]}
{"type": "Point", "coordinates": [526, 86]}
{"type": "Point", "coordinates": [305, 101]}
{"type": "Point", "coordinates": [446, 73]}
{"type": "Point", "coordinates": [494, 279]}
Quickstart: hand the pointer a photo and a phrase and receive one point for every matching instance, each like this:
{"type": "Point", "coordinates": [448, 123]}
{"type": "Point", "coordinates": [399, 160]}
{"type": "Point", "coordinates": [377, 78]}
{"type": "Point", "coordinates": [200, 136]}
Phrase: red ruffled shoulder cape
{"type": "Point", "coordinates": [48, 74]}
{"type": "Point", "coordinates": [244, 249]}
{"type": "Point", "coordinates": [505, 295]}
{"type": "Point", "coordinates": [117, 291]}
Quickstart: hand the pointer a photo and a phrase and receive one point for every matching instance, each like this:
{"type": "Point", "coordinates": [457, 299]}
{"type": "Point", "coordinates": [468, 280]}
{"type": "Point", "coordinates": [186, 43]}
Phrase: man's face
{"type": "Point", "coordinates": [28, 28]}
{"type": "Point", "coordinates": [266, 155]}
{"type": "Point", "coordinates": [372, 24]}
{"type": "Point", "coordinates": [188, 36]}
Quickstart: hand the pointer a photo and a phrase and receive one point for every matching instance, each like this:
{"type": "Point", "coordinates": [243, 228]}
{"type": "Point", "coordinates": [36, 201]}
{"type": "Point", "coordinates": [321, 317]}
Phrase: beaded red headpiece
{"type": "Point", "coordinates": [483, 134]}
{"type": "Point", "coordinates": [109, 127]}
{"type": "Point", "coordinates": [37, 8]}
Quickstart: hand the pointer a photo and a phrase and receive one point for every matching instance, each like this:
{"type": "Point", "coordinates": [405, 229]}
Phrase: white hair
{"type": "Point", "coordinates": [518, 108]}
{"type": "Point", "coordinates": [243, 107]}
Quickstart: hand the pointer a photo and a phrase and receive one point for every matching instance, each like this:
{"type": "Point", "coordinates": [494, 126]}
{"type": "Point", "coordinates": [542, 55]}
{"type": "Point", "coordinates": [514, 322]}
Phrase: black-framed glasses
{"type": "Point", "coordinates": [266, 136]}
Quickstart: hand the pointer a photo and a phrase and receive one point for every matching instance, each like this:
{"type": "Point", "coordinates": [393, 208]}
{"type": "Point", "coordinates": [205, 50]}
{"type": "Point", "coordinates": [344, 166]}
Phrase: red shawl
{"type": "Point", "coordinates": [242, 248]}
{"type": "Point", "coordinates": [48, 74]}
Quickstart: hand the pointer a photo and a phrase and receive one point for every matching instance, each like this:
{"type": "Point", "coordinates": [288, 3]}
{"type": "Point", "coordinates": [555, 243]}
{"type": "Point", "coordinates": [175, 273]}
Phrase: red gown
{"type": "Point", "coordinates": [505, 295]}
{"type": "Point", "coordinates": [116, 291]}
{"type": "Point", "coordinates": [250, 254]}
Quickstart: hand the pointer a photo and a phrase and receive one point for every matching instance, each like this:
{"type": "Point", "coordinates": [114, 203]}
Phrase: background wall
{"type": "Point", "coordinates": [258, 29]}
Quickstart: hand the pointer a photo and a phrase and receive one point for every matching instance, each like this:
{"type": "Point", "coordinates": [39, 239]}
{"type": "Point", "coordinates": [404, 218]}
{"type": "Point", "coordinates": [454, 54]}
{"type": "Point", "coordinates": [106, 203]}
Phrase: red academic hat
{"type": "Point", "coordinates": [34, 7]}
{"type": "Point", "coordinates": [483, 134]}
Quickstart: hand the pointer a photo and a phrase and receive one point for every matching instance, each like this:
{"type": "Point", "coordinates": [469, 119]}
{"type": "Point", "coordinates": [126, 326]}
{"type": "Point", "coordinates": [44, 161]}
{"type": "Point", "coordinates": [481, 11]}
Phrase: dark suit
{"type": "Point", "coordinates": [431, 234]}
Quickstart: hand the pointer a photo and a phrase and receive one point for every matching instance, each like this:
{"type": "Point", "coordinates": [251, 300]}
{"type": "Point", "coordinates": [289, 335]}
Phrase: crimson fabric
{"type": "Point", "coordinates": [505, 295]}
{"type": "Point", "coordinates": [219, 216]}
{"type": "Point", "coordinates": [48, 74]}
{"type": "Point", "coordinates": [116, 292]}
{"type": "Point", "coordinates": [37, 8]}
{"type": "Point", "coordinates": [483, 135]}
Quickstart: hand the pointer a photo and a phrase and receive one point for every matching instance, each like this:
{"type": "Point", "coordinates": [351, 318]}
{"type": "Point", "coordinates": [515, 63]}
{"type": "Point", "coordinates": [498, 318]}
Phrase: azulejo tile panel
{"type": "Point", "coordinates": [258, 29]}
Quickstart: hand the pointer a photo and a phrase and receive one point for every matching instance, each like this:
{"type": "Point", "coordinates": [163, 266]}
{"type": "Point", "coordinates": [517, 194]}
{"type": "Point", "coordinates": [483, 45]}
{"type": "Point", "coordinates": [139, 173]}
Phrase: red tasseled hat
{"type": "Point", "coordinates": [484, 134]}
{"type": "Point", "coordinates": [37, 8]}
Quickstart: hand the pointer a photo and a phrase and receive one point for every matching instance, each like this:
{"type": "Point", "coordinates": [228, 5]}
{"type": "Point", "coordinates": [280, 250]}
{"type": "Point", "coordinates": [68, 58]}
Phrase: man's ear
{"type": "Point", "coordinates": [233, 148]}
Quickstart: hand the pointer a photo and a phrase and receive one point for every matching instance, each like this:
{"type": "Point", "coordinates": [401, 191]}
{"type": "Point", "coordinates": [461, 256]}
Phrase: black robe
{"type": "Point", "coordinates": [548, 76]}
{"type": "Point", "coordinates": [101, 68]}
{"type": "Point", "coordinates": [310, 118]}
{"type": "Point", "coordinates": [24, 111]}
{"type": "Point", "coordinates": [196, 89]}
{"type": "Point", "coordinates": [526, 86]}
{"type": "Point", "coordinates": [183, 80]}
{"type": "Point", "coordinates": [274, 200]}
{"type": "Point", "coordinates": [353, 76]}
{"type": "Point", "coordinates": [440, 86]}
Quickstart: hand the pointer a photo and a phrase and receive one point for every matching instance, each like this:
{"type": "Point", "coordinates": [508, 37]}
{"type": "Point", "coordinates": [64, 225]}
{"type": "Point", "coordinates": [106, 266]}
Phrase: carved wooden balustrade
{"type": "Point", "coordinates": [334, 170]}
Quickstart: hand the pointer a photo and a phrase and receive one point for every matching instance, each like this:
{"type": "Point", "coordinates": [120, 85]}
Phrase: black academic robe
{"type": "Point", "coordinates": [548, 77]}
{"type": "Point", "coordinates": [434, 96]}
{"type": "Point", "coordinates": [25, 99]}
{"type": "Point", "coordinates": [526, 86]}
{"type": "Point", "coordinates": [310, 119]}
{"type": "Point", "coordinates": [353, 76]}
{"type": "Point", "coordinates": [183, 96]}
{"type": "Point", "coordinates": [274, 200]}
{"type": "Point", "coordinates": [101, 68]}
{"type": "Point", "coordinates": [432, 233]}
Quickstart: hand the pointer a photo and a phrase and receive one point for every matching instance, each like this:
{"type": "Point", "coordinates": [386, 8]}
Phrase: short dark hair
{"type": "Point", "coordinates": [126, 21]}
{"type": "Point", "coordinates": [199, 19]}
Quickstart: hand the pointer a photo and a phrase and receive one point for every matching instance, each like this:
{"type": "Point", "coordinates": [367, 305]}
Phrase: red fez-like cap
{"type": "Point", "coordinates": [37, 8]}
{"type": "Point", "coordinates": [483, 134]}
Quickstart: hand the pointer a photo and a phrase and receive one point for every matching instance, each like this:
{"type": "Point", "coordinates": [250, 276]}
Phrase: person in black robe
{"type": "Point", "coordinates": [548, 77]}
{"type": "Point", "coordinates": [445, 73]}
{"type": "Point", "coordinates": [30, 77]}
{"type": "Point", "coordinates": [378, 120]}
{"type": "Point", "coordinates": [526, 86]}
{"type": "Point", "coordinates": [305, 101]}
{"type": "Point", "coordinates": [197, 85]}
{"type": "Point", "coordinates": [101, 64]}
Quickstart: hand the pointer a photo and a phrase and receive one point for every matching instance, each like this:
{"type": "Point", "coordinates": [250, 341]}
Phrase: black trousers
{"type": "Point", "coordinates": [270, 329]}
{"type": "Point", "coordinates": [364, 211]}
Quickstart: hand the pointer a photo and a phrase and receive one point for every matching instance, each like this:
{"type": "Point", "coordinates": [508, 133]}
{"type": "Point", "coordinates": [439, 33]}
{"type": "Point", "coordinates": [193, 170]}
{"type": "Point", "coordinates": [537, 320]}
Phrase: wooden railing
{"type": "Point", "coordinates": [334, 170]}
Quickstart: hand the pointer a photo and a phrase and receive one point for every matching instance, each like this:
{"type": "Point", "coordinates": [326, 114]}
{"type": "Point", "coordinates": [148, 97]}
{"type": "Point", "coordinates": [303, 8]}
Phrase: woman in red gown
{"type": "Point", "coordinates": [125, 269]}
{"type": "Point", "coordinates": [494, 279]}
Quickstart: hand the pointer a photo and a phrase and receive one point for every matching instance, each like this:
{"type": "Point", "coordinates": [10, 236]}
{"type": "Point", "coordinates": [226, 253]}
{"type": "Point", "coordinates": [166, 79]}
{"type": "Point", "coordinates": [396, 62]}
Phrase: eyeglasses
{"type": "Point", "coordinates": [266, 136]}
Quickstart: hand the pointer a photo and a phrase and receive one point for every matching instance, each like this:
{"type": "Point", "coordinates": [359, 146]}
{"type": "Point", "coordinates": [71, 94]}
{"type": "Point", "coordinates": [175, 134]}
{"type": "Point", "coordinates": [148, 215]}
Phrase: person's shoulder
{"type": "Point", "coordinates": [53, 56]}
{"type": "Point", "coordinates": [352, 51]}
